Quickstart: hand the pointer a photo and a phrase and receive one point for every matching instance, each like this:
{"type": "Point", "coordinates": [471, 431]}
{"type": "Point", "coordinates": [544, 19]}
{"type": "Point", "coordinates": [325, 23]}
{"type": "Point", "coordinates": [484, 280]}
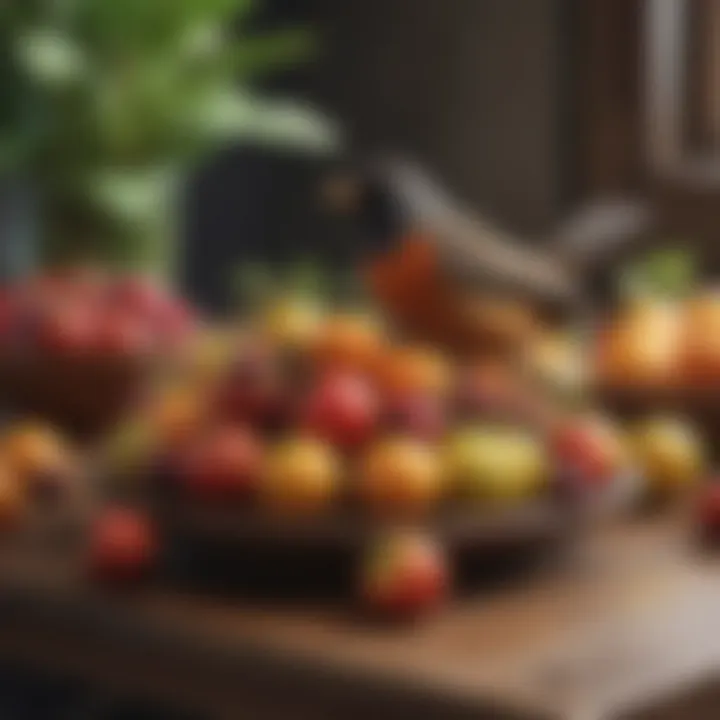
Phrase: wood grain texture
{"type": "Point", "coordinates": [617, 626]}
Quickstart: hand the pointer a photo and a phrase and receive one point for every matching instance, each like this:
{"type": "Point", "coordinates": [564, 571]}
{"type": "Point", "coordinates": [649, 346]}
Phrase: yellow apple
{"type": "Point", "coordinates": [669, 453]}
{"type": "Point", "coordinates": [495, 463]}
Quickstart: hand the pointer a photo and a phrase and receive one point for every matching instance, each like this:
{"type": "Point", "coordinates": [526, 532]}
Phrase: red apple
{"type": "Point", "coordinates": [589, 450]}
{"type": "Point", "coordinates": [404, 576]}
{"type": "Point", "coordinates": [123, 546]}
{"type": "Point", "coordinates": [122, 334]}
{"type": "Point", "coordinates": [420, 416]}
{"type": "Point", "coordinates": [302, 477]}
{"type": "Point", "coordinates": [254, 390]}
{"type": "Point", "coordinates": [226, 464]}
{"type": "Point", "coordinates": [344, 409]}
{"type": "Point", "coordinates": [67, 330]}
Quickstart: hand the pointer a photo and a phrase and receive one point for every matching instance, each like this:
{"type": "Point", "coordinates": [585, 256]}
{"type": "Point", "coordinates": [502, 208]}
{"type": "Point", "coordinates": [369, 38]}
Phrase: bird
{"type": "Point", "coordinates": [443, 271]}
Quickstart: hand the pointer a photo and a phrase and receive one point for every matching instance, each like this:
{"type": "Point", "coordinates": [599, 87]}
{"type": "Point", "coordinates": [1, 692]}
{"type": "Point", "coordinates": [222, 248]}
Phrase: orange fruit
{"type": "Point", "coordinates": [641, 349]}
{"type": "Point", "coordinates": [701, 339]}
{"type": "Point", "coordinates": [400, 476]}
{"type": "Point", "coordinates": [411, 370]}
{"type": "Point", "coordinates": [301, 477]}
{"type": "Point", "coordinates": [348, 341]}
{"type": "Point", "coordinates": [176, 416]}
{"type": "Point", "coordinates": [31, 451]}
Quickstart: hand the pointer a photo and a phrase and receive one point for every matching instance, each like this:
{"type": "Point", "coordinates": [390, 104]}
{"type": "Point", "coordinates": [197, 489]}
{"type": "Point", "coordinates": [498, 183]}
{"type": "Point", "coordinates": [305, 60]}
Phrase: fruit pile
{"type": "Point", "coordinates": [36, 464]}
{"type": "Point", "coordinates": [308, 413]}
{"type": "Point", "coordinates": [663, 344]}
{"type": "Point", "coordinates": [85, 312]}
{"type": "Point", "coordinates": [350, 419]}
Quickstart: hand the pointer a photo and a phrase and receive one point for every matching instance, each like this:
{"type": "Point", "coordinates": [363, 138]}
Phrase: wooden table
{"type": "Point", "coordinates": [629, 618]}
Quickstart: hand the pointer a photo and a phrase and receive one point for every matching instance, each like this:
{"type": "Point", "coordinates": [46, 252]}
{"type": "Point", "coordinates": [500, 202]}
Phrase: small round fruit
{"type": "Point", "coordinates": [641, 349]}
{"type": "Point", "coordinates": [669, 454]}
{"type": "Point", "coordinates": [255, 389]}
{"type": "Point", "coordinates": [176, 416]}
{"type": "Point", "coordinates": [407, 370]}
{"type": "Point", "coordinates": [292, 322]}
{"type": "Point", "coordinates": [700, 344]}
{"type": "Point", "coordinates": [36, 453]}
{"type": "Point", "coordinates": [404, 576]}
{"type": "Point", "coordinates": [224, 465]}
{"type": "Point", "coordinates": [123, 546]}
{"type": "Point", "coordinates": [559, 362]}
{"type": "Point", "coordinates": [400, 476]}
{"type": "Point", "coordinates": [495, 463]}
{"type": "Point", "coordinates": [348, 342]}
{"type": "Point", "coordinates": [344, 410]}
{"type": "Point", "coordinates": [302, 476]}
{"type": "Point", "coordinates": [591, 450]}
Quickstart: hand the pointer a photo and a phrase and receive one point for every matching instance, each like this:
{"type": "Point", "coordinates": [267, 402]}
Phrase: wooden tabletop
{"type": "Point", "coordinates": [628, 617]}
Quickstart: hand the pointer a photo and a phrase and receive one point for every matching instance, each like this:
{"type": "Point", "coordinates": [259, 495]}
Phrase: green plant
{"type": "Point", "coordinates": [668, 273]}
{"type": "Point", "coordinates": [104, 104]}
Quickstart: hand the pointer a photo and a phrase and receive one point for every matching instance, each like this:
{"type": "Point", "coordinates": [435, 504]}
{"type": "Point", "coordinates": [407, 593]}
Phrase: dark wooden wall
{"type": "Point", "coordinates": [474, 89]}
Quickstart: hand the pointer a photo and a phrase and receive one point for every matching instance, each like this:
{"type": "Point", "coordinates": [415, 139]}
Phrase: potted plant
{"type": "Point", "coordinates": [105, 107]}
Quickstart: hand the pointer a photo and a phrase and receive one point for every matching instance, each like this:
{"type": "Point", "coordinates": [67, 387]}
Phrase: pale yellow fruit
{"type": "Point", "coordinates": [669, 453]}
{"type": "Point", "coordinates": [495, 463]}
{"type": "Point", "coordinates": [642, 347]}
{"type": "Point", "coordinates": [33, 450]}
{"type": "Point", "coordinates": [292, 322]}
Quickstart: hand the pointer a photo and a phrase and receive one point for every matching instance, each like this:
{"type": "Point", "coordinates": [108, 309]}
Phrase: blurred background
{"type": "Point", "coordinates": [528, 111]}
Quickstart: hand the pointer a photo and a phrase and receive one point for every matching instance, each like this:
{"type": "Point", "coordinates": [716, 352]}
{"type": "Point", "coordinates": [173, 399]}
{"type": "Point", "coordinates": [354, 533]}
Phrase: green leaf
{"type": "Point", "coordinates": [50, 58]}
{"type": "Point", "coordinates": [668, 273]}
{"type": "Point", "coordinates": [307, 277]}
{"type": "Point", "coordinates": [229, 115]}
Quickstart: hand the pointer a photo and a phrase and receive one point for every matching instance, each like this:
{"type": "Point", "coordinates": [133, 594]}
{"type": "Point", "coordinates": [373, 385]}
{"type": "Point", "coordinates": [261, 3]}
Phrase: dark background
{"type": "Point", "coordinates": [473, 90]}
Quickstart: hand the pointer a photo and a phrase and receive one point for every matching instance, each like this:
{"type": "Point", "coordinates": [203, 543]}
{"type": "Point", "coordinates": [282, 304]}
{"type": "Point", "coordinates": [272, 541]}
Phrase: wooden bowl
{"type": "Point", "coordinates": [82, 396]}
{"type": "Point", "coordinates": [230, 550]}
